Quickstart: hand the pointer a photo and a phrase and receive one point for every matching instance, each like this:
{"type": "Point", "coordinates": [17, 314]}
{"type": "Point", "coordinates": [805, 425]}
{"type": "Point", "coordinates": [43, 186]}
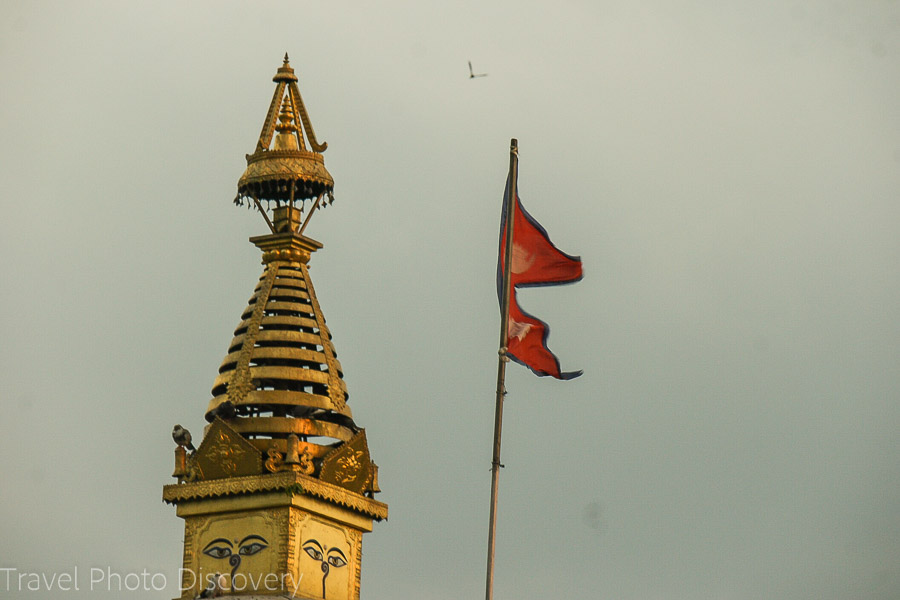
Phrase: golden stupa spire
{"type": "Point", "coordinates": [285, 172]}
{"type": "Point", "coordinates": [281, 375]}
{"type": "Point", "coordinates": [282, 486]}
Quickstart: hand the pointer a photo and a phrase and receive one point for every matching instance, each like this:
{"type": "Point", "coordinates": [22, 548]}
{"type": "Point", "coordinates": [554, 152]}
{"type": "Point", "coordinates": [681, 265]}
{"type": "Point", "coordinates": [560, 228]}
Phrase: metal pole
{"type": "Point", "coordinates": [265, 216]}
{"type": "Point", "coordinates": [309, 216]}
{"type": "Point", "coordinates": [502, 360]}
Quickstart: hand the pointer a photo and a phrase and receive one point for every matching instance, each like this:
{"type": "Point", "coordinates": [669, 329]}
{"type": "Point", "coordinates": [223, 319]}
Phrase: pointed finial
{"type": "Point", "coordinates": [286, 127]}
{"type": "Point", "coordinates": [286, 116]}
{"type": "Point", "coordinates": [294, 169]}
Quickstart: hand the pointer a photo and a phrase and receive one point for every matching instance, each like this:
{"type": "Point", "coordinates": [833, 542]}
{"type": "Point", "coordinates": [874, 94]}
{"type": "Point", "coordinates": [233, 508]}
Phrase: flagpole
{"type": "Point", "coordinates": [502, 360]}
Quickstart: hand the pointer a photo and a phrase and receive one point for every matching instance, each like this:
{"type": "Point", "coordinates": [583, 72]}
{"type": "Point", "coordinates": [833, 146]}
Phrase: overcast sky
{"type": "Point", "coordinates": [729, 173]}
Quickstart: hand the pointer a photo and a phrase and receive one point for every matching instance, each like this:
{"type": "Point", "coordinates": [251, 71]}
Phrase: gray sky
{"type": "Point", "coordinates": [729, 172]}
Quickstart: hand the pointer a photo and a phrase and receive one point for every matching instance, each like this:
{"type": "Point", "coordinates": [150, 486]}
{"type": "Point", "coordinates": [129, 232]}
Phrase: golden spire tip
{"type": "Point", "coordinates": [285, 58]}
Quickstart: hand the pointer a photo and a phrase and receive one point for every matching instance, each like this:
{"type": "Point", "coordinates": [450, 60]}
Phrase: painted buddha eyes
{"type": "Point", "coordinates": [332, 556]}
{"type": "Point", "coordinates": [336, 561]}
{"type": "Point", "coordinates": [326, 557]}
{"type": "Point", "coordinates": [222, 548]}
{"type": "Point", "coordinates": [313, 552]}
{"type": "Point", "coordinates": [252, 548]}
{"type": "Point", "coordinates": [217, 551]}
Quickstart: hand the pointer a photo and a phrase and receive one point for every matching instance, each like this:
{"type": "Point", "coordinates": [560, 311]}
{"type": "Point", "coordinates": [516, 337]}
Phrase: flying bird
{"type": "Point", "coordinates": [472, 74]}
{"type": "Point", "coordinates": [182, 437]}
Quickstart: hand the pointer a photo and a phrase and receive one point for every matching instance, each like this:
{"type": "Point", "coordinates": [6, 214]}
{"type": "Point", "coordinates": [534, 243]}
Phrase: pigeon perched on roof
{"type": "Point", "coordinates": [216, 587]}
{"type": "Point", "coordinates": [321, 414]}
{"type": "Point", "coordinates": [226, 410]}
{"type": "Point", "coordinates": [182, 437]}
{"type": "Point", "coordinates": [308, 412]}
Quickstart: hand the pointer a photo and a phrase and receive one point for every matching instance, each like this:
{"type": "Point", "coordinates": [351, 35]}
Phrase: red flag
{"type": "Point", "coordinates": [535, 262]}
